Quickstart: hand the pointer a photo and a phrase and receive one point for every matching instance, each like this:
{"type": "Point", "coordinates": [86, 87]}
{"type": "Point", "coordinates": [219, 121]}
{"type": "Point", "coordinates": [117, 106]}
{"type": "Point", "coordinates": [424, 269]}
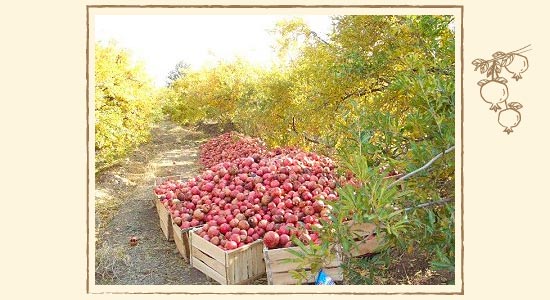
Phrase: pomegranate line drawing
{"type": "Point", "coordinates": [494, 88]}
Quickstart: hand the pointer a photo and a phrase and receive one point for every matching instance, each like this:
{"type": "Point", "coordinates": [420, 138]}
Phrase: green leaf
{"type": "Point", "coordinates": [431, 216]}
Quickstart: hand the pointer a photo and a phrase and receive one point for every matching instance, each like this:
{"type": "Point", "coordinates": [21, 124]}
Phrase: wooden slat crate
{"type": "Point", "coordinates": [278, 270]}
{"type": "Point", "coordinates": [154, 196]}
{"type": "Point", "coordinates": [181, 238]}
{"type": "Point", "coordinates": [240, 266]}
{"type": "Point", "coordinates": [367, 242]}
{"type": "Point", "coordinates": [165, 221]}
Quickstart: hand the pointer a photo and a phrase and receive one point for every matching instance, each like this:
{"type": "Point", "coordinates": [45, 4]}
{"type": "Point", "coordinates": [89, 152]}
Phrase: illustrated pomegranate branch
{"type": "Point", "coordinates": [495, 90]}
{"type": "Point", "coordinates": [518, 51]}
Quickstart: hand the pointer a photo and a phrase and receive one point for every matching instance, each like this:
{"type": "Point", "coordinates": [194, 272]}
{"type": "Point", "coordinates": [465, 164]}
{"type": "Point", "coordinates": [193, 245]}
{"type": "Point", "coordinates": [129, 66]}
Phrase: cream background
{"type": "Point", "coordinates": [43, 158]}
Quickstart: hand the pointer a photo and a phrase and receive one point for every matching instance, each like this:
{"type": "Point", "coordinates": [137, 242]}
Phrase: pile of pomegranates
{"type": "Point", "coordinates": [229, 146]}
{"type": "Point", "coordinates": [272, 195]}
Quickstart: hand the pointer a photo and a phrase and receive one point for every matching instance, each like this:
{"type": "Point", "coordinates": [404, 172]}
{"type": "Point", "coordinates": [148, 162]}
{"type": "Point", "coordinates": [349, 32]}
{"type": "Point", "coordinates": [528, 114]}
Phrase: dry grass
{"type": "Point", "coordinates": [110, 262]}
{"type": "Point", "coordinates": [106, 207]}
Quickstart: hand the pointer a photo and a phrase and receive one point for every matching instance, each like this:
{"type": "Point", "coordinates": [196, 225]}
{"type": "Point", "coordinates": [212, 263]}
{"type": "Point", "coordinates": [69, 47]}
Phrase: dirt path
{"type": "Point", "coordinates": [124, 209]}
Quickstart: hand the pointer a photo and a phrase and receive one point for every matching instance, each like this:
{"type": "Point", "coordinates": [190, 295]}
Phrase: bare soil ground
{"type": "Point", "coordinates": [414, 269]}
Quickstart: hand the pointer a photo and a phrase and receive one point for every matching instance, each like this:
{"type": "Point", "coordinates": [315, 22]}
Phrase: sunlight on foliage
{"type": "Point", "coordinates": [125, 104]}
{"type": "Point", "coordinates": [378, 95]}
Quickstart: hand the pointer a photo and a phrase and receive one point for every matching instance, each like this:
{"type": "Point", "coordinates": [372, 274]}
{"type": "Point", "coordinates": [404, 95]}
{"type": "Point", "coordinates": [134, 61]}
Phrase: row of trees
{"type": "Point", "coordinates": [126, 104]}
{"type": "Point", "coordinates": [377, 94]}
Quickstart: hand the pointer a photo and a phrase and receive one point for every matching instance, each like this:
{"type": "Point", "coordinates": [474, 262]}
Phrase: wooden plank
{"type": "Point", "coordinates": [281, 266]}
{"type": "Point", "coordinates": [186, 243]}
{"type": "Point", "coordinates": [268, 270]}
{"type": "Point", "coordinates": [246, 264]}
{"type": "Point", "coordinates": [157, 205]}
{"type": "Point", "coordinates": [236, 267]}
{"type": "Point", "coordinates": [286, 278]}
{"type": "Point", "coordinates": [251, 279]}
{"type": "Point", "coordinates": [165, 221]}
{"type": "Point", "coordinates": [165, 215]}
{"type": "Point", "coordinates": [276, 255]}
{"type": "Point", "coordinates": [366, 243]}
{"type": "Point", "coordinates": [365, 247]}
{"type": "Point", "coordinates": [154, 197]}
{"type": "Point", "coordinates": [362, 229]}
{"type": "Point", "coordinates": [283, 278]}
{"type": "Point", "coordinates": [257, 267]}
{"type": "Point", "coordinates": [207, 247]}
{"type": "Point", "coordinates": [282, 253]}
{"type": "Point", "coordinates": [209, 261]}
{"type": "Point", "coordinates": [181, 240]}
{"type": "Point", "coordinates": [259, 262]}
{"type": "Point", "coordinates": [279, 271]}
{"type": "Point", "coordinates": [199, 265]}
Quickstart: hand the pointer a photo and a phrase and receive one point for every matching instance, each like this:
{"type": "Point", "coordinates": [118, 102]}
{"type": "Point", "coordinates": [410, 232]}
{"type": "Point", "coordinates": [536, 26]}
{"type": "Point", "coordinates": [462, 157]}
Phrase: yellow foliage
{"type": "Point", "coordinates": [125, 104]}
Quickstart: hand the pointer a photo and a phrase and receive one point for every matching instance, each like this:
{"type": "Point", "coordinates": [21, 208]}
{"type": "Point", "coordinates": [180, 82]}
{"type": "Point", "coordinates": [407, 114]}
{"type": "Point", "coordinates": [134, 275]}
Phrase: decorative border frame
{"type": "Point", "coordinates": [461, 7]}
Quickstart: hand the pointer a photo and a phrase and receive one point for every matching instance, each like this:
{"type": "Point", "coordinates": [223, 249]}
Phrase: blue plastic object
{"type": "Point", "coordinates": [323, 279]}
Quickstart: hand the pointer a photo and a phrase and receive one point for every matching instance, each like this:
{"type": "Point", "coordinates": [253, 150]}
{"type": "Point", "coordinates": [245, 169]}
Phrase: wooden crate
{"type": "Point", "coordinates": [165, 221]}
{"type": "Point", "coordinates": [164, 215]}
{"type": "Point", "coordinates": [367, 242]}
{"type": "Point", "coordinates": [181, 238]}
{"type": "Point", "coordinates": [278, 270]}
{"type": "Point", "coordinates": [240, 266]}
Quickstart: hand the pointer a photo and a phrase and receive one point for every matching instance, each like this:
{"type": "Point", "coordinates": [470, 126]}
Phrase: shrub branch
{"type": "Point", "coordinates": [424, 167]}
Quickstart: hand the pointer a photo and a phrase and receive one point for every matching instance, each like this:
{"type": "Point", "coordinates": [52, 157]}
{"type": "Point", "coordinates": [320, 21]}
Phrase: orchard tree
{"type": "Point", "coordinates": [125, 104]}
{"type": "Point", "coordinates": [212, 93]}
{"type": "Point", "coordinates": [381, 91]}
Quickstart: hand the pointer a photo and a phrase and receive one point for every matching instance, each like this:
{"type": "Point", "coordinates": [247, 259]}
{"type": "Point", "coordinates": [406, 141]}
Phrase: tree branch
{"type": "Point", "coordinates": [438, 202]}
{"type": "Point", "coordinates": [307, 138]}
{"type": "Point", "coordinates": [319, 38]}
{"type": "Point", "coordinates": [424, 167]}
{"type": "Point", "coordinates": [360, 92]}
